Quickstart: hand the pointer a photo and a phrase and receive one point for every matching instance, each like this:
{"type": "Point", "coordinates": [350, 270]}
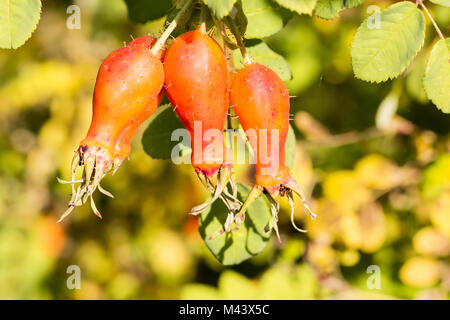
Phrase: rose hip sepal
{"type": "Point", "coordinates": [196, 83]}
{"type": "Point", "coordinates": [127, 91]}
{"type": "Point", "coordinates": [261, 101]}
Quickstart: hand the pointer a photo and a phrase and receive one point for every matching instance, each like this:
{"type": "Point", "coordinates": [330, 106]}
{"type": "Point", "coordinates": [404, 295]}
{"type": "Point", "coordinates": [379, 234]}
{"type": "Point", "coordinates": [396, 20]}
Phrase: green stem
{"type": "Point", "coordinates": [163, 38]}
{"type": "Point", "coordinates": [203, 17]}
{"type": "Point", "coordinates": [431, 18]}
{"type": "Point", "coordinates": [251, 197]}
{"type": "Point", "coordinates": [239, 41]}
{"type": "Point", "coordinates": [228, 53]}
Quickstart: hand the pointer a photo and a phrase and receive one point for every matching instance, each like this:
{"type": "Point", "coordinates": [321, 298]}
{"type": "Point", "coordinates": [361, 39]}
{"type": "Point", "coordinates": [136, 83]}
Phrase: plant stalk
{"type": "Point", "coordinates": [240, 43]}
{"type": "Point", "coordinates": [166, 34]}
{"type": "Point", "coordinates": [431, 18]}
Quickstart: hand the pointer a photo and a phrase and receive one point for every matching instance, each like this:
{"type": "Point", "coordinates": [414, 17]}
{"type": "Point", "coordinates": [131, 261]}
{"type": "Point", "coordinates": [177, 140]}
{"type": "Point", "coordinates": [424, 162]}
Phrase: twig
{"type": "Point", "coordinates": [203, 17]}
{"type": "Point", "coordinates": [431, 18]}
{"type": "Point", "coordinates": [239, 41]}
{"type": "Point", "coordinates": [344, 139]}
{"type": "Point", "coordinates": [163, 38]}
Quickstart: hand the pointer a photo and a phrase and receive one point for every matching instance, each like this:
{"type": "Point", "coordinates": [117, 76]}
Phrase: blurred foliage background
{"type": "Point", "coordinates": [381, 184]}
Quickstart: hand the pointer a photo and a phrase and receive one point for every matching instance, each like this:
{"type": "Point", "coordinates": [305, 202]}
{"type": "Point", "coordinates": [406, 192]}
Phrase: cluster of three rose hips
{"type": "Point", "coordinates": [194, 75]}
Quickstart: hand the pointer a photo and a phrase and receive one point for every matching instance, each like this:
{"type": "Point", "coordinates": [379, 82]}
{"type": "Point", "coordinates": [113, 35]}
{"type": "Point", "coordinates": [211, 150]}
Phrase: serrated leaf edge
{"type": "Point", "coordinates": [426, 73]}
{"type": "Point", "coordinates": [295, 11]}
{"type": "Point", "coordinates": [214, 11]}
{"type": "Point", "coordinates": [29, 36]}
{"type": "Point", "coordinates": [390, 77]}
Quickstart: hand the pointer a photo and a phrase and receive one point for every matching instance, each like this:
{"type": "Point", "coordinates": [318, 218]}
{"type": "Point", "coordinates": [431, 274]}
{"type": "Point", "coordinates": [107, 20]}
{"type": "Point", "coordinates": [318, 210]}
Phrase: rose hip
{"type": "Point", "coordinates": [127, 91]}
{"type": "Point", "coordinates": [261, 101]}
{"type": "Point", "coordinates": [196, 83]}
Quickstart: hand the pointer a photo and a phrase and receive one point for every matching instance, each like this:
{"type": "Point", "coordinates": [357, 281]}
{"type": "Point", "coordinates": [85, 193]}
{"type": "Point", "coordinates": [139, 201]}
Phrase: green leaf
{"type": "Point", "coordinates": [220, 8]}
{"type": "Point", "coordinates": [156, 139]}
{"type": "Point", "coordinates": [261, 53]}
{"type": "Point", "coordinates": [299, 6]}
{"type": "Point", "coordinates": [18, 20]}
{"type": "Point", "coordinates": [445, 3]}
{"type": "Point", "coordinates": [348, 4]}
{"type": "Point", "coordinates": [329, 9]}
{"type": "Point", "coordinates": [414, 80]}
{"type": "Point", "coordinates": [233, 285]}
{"type": "Point", "coordinates": [437, 76]}
{"type": "Point", "coordinates": [141, 11]}
{"type": "Point", "coordinates": [183, 19]}
{"type": "Point", "coordinates": [197, 291]}
{"type": "Point", "coordinates": [290, 148]}
{"type": "Point", "coordinates": [238, 18]}
{"type": "Point", "coordinates": [265, 18]}
{"type": "Point", "coordinates": [236, 246]}
{"type": "Point", "coordinates": [379, 54]}
{"type": "Point", "coordinates": [436, 177]}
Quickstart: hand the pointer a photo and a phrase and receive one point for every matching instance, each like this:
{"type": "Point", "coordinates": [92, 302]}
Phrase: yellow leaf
{"type": "Point", "coordinates": [420, 272]}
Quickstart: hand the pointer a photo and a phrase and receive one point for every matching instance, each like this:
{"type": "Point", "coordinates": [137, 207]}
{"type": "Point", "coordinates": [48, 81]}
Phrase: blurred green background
{"type": "Point", "coordinates": [380, 183]}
